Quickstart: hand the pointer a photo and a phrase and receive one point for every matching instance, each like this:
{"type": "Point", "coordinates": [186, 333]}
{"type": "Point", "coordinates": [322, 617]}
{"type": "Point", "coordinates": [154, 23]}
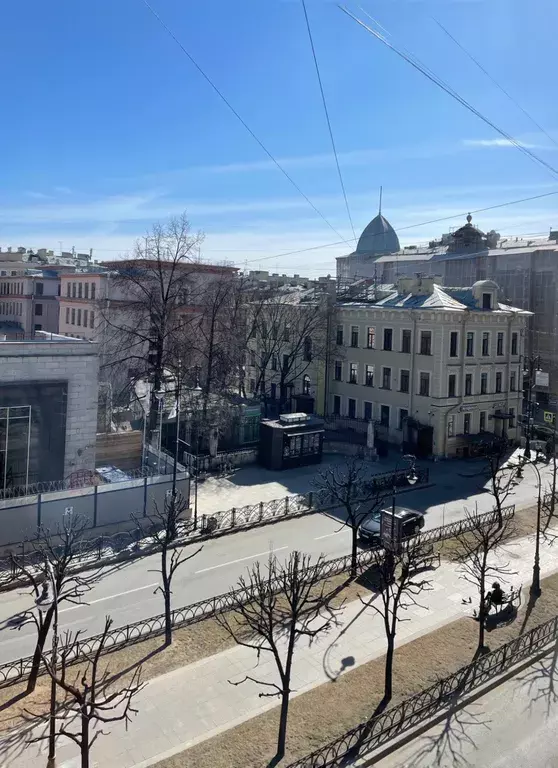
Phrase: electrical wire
{"type": "Point", "coordinates": [495, 82]}
{"type": "Point", "coordinates": [238, 117]}
{"type": "Point", "coordinates": [324, 102]}
{"type": "Point", "coordinates": [434, 78]}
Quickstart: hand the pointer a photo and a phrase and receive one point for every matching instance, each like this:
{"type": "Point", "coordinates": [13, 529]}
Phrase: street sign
{"type": "Point", "coordinates": [390, 530]}
{"type": "Point", "coordinates": [541, 379]}
{"type": "Point", "coordinates": [549, 417]}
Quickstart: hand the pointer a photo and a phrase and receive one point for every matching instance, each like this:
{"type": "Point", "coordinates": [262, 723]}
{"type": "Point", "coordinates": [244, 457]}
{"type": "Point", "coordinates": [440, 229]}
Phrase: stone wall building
{"type": "Point", "coordinates": [48, 409]}
{"type": "Point", "coordinates": [438, 369]}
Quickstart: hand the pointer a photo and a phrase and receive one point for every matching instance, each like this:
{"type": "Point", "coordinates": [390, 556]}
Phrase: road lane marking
{"type": "Point", "coordinates": [109, 597]}
{"type": "Point", "coordinates": [240, 560]}
{"type": "Point", "coordinates": [327, 535]}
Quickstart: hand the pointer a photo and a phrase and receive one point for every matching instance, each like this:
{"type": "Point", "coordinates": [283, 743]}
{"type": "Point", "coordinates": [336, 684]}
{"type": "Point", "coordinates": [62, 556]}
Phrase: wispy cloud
{"type": "Point", "coordinates": [498, 143]}
{"type": "Point", "coordinates": [63, 190]}
{"type": "Point", "coordinates": [38, 195]}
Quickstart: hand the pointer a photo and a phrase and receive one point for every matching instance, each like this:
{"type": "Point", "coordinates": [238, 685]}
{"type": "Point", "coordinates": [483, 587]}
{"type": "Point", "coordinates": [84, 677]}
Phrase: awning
{"type": "Point", "coordinates": [301, 434]}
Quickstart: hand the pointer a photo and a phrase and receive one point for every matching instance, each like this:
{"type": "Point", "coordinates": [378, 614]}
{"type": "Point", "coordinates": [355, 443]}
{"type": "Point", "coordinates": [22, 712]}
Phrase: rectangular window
{"type": "Point", "coordinates": [86, 290]}
{"type": "Point", "coordinates": [498, 387]}
{"type": "Point", "coordinates": [403, 380]}
{"type": "Point", "coordinates": [79, 317]}
{"type": "Point", "coordinates": [512, 418]}
{"type": "Point", "coordinates": [482, 421]}
{"type": "Point", "coordinates": [336, 405]}
{"type": "Point", "coordinates": [424, 384]}
{"type": "Point", "coordinates": [403, 414]}
{"type": "Point", "coordinates": [354, 335]}
{"type": "Point", "coordinates": [67, 315]}
{"type": "Point", "coordinates": [85, 318]}
{"type": "Point", "coordinates": [451, 426]}
{"type": "Point", "coordinates": [38, 309]}
{"type": "Point", "coordinates": [512, 381]}
{"type": "Point", "coordinates": [388, 339]}
{"type": "Point", "coordinates": [252, 385]}
{"type": "Point", "coordinates": [451, 385]}
{"type": "Point", "coordinates": [92, 320]}
{"type": "Point", "coordinates": [338, 370]}
{"type": "Point", "coordinates": [285, 362]}
{"type": "Point", "coordinates": [80, 290]}
{"type": "Point", "coordinates": [485, 344]}
{"type": "Point", "coordinates": [69, 290]}
{"type": "Point", "coordinates": [514, 345]}
{"type": "Point", "coordinates": [386, 378]}
{"type": "Point", "coordinates": [308, 349]}
{"type": "Point", "coordinates": [470, 348]}
{"type": "Point", "coordinates": [38, 327]}
{"type": "Point", "coordinates": [351, 408]}
{"type": "Point", "coordinates": [466, 423]}
{"type": "Point", "coordinates": [371, 338]}
{"type": "Point", "coordinates": [287, 333]}
{"type": "Point", "coordinates": [273, 362]}
{"type": "Point", "coordinates": [368, 410]}
{"type": "Point", "coordinates": [274, 332]}
{"type": "Point", "coordinates": [426, 342]}
{"type": "Point", "coordinates": [500, 344]}
{"type": "Point", "coordinates": [39, 289]}
{"type": "Point", "coordinates": [339, 336]}
{"type": "Point", "coordinates": [274, 391]}
{"type": "Point", "coordinates": [487, 301]}
{"type": "Point", "coordinates": [73, 316]}
{"type": "Point", "coordinates": [93, 290]}
{"type": "Point", "coordinates": [406, 341]}
{"type": "Point", "coordinates": [384, 415]}
{"type": "Point", "coordinates": [369, 376]}
{"type": "Point", "coordinates": [353, 373]}
{"type": "Point", "coordinates": [468, 384]}
{"type": "Point", "coordinates": [484, 383]}
{"type": "Point", "coordinates": [252, 358]}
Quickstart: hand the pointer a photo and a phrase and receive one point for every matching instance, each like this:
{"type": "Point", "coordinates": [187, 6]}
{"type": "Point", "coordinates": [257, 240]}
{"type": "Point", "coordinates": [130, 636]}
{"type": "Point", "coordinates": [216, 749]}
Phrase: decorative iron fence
{"type": "Point", "coordinates": [375, 732]}
{"type": "Point", "coordinates": [190, 614]}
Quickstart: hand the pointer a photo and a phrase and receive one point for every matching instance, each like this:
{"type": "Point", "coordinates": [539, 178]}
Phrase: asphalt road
{"type": "Point", "coordinates": [126, 592]}
{"type": "Point", "coordinates": [513, 726]}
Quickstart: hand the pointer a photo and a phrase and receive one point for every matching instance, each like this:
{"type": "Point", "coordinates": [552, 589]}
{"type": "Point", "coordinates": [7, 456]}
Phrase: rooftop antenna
{"type": "Point", "coordinates": [380, 203]}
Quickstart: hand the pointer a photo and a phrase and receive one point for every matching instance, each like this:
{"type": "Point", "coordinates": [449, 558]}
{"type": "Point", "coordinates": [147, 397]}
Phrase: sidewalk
{"type": "Point", "coordinates": [196, 702]}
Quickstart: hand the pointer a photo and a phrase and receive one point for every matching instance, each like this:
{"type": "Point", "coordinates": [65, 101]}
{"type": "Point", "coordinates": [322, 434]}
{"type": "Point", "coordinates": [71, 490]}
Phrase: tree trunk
{"type": "Point", "coordinates": [166, 598]}
{"type": "Point", "coordinates": [41, 640]}
{"type": "Point", "coordinates": [282, 736]}
{"type": "Point", "coordinates": [388, 672]}
{"type": "Point", "coordinates": [84, 746]}
{"type": "Point", "coordinates": [354, 550]}
{"type": "Point", "coordinates": [482, 613]}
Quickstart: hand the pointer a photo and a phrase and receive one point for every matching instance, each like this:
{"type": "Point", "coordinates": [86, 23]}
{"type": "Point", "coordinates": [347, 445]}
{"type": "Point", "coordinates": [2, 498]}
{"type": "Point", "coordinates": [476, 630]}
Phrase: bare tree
{"type": "Point", "coordinates": [92, 697]}
{"type": "Point", "coordinates": [398, 584]}
{"type": "Point", "coordinates": [285, 604]}
{"type": "Point", "coordinates": [348, 487]}
{"type": "Point", "coordinates": [502, 476]}
{"type": "Point", "coordinates": [161, 528]}
{"type": "Point", "coordinates": [150, 305]}
{"type": "Point", "coordinates": [475, 554]}
{"type": "Point", "coordinates": [289, 339]}
{"type": "Point", "coordinates": [62, 548]}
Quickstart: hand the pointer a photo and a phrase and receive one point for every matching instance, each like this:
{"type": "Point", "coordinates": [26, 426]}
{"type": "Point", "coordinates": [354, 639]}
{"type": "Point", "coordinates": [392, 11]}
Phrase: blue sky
{"type": "Point", "coordinates": [108, 127]}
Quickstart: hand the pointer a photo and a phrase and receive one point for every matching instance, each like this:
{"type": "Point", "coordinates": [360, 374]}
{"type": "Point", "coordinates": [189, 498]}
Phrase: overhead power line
{"type": "Point", "coordinates": [433, 77]}
{"type": "Point", "coordinates": [495, 82]}
{"type": "Point", "coordinates": [324, 102]}
{"type": "Point", "coordinates": [238, 116]}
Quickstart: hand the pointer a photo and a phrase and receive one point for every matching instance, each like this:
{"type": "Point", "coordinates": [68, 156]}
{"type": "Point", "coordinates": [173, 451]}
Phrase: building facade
{"type": "Point", "coordinates": [48, 409]}
{"type": "Point", "coordinates": [437, 369]}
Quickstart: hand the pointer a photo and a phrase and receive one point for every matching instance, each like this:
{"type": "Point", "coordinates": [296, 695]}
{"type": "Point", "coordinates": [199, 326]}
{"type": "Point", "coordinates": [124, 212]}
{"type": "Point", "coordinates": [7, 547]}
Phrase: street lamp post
{"type": "Point", "coordinates": [44, 602]}
{"type": "Point", "coordinates": [534, 365]}
{"type": "Point", "coordinates": [536, 583]}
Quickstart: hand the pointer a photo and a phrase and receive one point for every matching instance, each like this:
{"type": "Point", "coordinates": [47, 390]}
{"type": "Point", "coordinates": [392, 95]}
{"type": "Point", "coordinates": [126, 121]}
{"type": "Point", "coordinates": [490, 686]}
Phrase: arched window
{"type": "Point", "coordinates": [306, 384]}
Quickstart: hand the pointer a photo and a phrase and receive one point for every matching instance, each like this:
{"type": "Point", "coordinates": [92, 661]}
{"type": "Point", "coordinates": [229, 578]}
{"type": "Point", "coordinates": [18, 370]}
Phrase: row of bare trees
{"type": "Point", "coordinates": [166, 311]}
{"type": "Point", "coordinates": [275, 608]}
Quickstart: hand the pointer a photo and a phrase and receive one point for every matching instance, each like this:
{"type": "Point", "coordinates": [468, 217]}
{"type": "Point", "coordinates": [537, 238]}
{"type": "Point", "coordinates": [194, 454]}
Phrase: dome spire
{"type": "Point", "coordinates": [380, 203]}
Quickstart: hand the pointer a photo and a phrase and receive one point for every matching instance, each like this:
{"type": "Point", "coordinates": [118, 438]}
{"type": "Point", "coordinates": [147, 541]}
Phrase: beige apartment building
{"type": "Point", "coordinates": [80, 294]}
{"type": "Point", "coordinates": [437, 369]}
{"type": "Point", "coordinates": [29, 302]}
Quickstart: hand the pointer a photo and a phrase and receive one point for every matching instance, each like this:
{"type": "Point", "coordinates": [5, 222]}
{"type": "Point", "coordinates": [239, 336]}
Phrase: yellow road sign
{"type": "Point", "coordinates": [549, 416]}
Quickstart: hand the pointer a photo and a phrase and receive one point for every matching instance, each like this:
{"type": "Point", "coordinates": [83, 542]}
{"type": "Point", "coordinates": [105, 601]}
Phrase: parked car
{"type": "Point", "coordinates": [413, 522]}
